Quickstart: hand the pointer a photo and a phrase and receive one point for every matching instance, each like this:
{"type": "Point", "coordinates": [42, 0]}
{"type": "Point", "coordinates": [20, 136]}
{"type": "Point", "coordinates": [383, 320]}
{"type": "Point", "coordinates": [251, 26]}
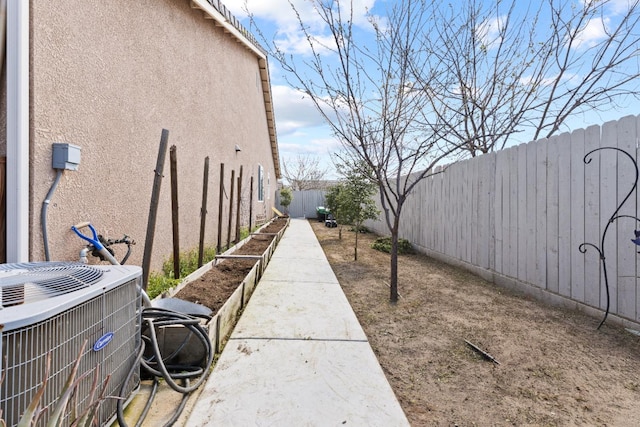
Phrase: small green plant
{"type": "Point", "coordinates": [351, 200]}
{"type": "Point", "coordinates": [286, 197]}
{"type": "Point", "coordinates": [188, 262]}
{"type": "Point", "coordinates": [383, 244]}
{"type": "Point", "coordinates": [244, 233]}
{"type": "Point", "coordinates": [160, 282]}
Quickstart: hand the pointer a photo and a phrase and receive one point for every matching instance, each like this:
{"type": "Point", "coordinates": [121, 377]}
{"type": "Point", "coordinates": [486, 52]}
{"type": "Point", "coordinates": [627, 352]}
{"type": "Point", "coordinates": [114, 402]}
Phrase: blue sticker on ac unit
{"type": "Point", "coordinates": [103, 341]}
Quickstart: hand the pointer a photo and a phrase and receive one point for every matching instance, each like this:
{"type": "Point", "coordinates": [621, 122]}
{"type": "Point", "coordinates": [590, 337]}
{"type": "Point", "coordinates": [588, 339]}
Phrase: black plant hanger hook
{"type": "Point", "coordinates": [600, 249]}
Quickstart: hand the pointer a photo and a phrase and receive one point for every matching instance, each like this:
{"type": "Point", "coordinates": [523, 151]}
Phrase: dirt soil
{"type": "Point", "coordinates": [214, 287]}
{"type": "Point", "coordinates": [555, 368]}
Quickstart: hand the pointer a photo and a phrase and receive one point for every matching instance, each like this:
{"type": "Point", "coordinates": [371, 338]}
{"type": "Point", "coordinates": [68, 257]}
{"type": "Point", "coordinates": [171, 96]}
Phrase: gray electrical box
{"type": "Point", "coordinates": [65, 156]}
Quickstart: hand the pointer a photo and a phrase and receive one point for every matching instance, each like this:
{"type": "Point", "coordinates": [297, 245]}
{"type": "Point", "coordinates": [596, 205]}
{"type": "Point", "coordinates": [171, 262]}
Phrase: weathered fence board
{"type": "Point", "coordinates": [552, 217]}
{"type": "Point", "coordinates": [565, 253]}
{"type": "Point", "coordinates": [521, 197]}
{"type": "Point", "coordinates": [626, 253]}
{"type": "Point", "coordinates": [500, 219]}
{"type": "Point", "coordinates": [514, 187]}
{"type": "Point", "coordinates": [540, 274]}
{"type": "Point", "coordinates": [577, 215]}
{"type": "Point", "coordinates": [487, 249]}
{"type": "Point", "coordinates": [608, 203]}
{"type": "Point", "coordinates": [592, 215]}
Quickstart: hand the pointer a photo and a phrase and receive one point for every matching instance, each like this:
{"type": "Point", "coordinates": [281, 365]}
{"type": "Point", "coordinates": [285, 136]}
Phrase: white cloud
{"type": "Point", "coordinates": [616, 7]}
{"type": "Point", "coordinates": [488, 32]}
{"type": "Point", "coordinates": [293, 110]}
{"type": "Point", "coordinates": [285, 21]}
{"type": "Point", "coordinates": [278, 12]}
{"type": "Point", "coordinates": [296, 43]}
{"type": "Point", "coordinates": [568, 78]}
{"type": "Point", "coordinates": [320, 146]}
{"type": "Point", "coordinates": [592, 33]}
{"type": "Point", "coordinates": [314, 146]}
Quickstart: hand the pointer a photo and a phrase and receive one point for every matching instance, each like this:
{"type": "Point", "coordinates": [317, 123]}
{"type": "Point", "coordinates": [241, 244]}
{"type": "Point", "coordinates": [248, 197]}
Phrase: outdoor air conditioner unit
{"type": "Point", "coordinates": [53, 308]}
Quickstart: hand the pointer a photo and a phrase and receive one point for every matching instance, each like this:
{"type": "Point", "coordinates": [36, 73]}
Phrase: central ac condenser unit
{"type": "Point", "coordinates": [49, 310]}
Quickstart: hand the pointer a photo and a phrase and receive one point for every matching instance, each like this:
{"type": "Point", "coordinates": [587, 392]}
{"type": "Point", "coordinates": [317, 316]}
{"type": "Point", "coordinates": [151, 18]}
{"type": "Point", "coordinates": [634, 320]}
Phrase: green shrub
{"type": "Point", "coordinates": [286, 197]}
{"type": "Point", "coordinates": [188, 261]}
{"type": "Point", "coordinates": [158, 283]}
{"type": "Point", "coordinates": [383, 244]}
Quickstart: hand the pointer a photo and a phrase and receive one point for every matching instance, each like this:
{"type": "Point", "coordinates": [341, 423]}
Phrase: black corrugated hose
{"type": "Point", "coordinates": [159, 366]}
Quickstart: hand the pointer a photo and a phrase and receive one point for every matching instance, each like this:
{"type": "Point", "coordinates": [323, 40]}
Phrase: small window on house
{"type": "Point", "coordinates": [260, 183]}
{"type": "Point", "coordinates": [268, 185]}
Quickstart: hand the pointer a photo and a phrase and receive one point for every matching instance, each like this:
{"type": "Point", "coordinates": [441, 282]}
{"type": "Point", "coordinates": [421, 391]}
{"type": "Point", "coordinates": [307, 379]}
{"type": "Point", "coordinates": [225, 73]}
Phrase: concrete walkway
{"type": "Point", "coordinates": [298, 356]}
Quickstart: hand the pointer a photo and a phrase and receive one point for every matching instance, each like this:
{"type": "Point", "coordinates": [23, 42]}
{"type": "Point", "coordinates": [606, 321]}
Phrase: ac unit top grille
{"type": "Point", "coordinates": [22, 283]}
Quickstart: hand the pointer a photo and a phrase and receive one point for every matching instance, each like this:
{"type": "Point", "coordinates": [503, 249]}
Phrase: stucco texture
{"type": "Point", "coordinates": [109, 76]}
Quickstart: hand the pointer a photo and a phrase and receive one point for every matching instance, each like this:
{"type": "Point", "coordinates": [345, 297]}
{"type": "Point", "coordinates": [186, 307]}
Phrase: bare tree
{"type": "Point", "coordinates": [360, 91]}
{"type": "Point", "coordinates": [437, 81]}
{"type": "Point", "coordinates": [303, 172]}
{"type": "Point", "coordinates": [507, 69]}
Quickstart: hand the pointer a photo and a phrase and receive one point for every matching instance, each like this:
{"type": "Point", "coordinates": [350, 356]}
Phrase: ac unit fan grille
{"type": "Point", "coordinates": [23, 283]}
{"type": "Point", "coordinates": [25, 351]}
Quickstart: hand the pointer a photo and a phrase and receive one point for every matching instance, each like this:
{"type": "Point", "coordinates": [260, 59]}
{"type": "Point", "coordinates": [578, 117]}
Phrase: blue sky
{"type": "Point", "coordinates": [301, 129]}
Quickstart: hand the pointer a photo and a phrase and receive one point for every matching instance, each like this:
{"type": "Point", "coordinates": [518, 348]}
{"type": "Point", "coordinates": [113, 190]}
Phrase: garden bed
{"type": "Point", "coordinates": [223, 276]}
{"type": "Point", "coordinates": [225, 284]}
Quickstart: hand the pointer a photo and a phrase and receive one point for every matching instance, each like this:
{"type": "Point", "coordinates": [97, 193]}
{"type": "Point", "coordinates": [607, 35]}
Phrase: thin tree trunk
{"type": "Point", "coordinates": [393, 280]}
{"type": "Point", "coordinates": [355, 251]}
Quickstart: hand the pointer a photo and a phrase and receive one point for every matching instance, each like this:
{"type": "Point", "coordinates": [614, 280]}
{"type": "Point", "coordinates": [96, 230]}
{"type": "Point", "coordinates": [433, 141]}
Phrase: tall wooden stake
{"type": "Point", "coordinates": [239, 206]}
{"type": "Point", "coordinates": [175, 218]}
{"type": "Point", "coordinates": [153, 208]}
{"type": "Point", "coordinates": [220, 208]}
{"type": "Point", "coordinates": [203, 210]}
{"type": "Point", "coordinates": [250, 202]}
{"type": "Point", "coordinates": [233, 174]}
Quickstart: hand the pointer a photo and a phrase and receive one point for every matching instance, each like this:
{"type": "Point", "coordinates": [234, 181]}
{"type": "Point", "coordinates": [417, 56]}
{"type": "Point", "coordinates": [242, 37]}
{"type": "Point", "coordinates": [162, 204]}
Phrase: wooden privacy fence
{"type": "Point", "coordinates": [518, 217]}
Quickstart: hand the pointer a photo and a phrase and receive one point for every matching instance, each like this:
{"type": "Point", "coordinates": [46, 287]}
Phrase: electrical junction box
{"type": "Point", "coordinates": [65, 156]}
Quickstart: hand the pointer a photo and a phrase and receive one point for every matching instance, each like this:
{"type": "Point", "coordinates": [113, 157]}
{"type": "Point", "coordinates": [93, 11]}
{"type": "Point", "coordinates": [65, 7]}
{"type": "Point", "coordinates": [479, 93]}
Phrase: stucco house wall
{"type": "Point", "coordinates": [108, 76]}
